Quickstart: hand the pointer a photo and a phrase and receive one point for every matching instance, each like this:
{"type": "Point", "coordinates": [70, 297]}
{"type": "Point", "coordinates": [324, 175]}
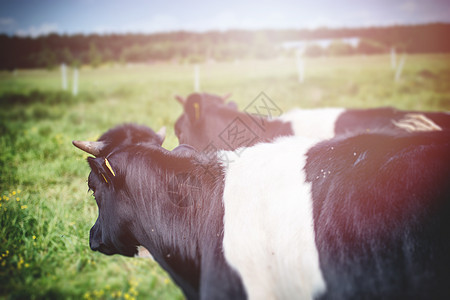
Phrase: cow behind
{"type": "Point", "coordinates": [207, 122]}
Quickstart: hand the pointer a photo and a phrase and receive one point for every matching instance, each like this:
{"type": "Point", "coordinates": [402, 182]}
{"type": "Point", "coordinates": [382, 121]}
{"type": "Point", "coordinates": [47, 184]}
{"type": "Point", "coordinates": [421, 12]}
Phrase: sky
{"type": "Point", "coordinates": [40, 17]}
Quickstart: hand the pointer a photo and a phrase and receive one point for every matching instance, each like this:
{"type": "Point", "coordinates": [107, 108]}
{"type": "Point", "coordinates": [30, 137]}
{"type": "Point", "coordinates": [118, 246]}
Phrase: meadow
{"type": "Point", "coordinates": [45, 209]}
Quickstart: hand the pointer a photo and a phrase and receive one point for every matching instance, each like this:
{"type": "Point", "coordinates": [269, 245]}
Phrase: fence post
{"type": "Point", "coordinates": [300, 67]}
{"type": "Point", "coordinates": [398, 73]}
{"type": "Point", "coordinates": [75, 82]}
{"type": "Point", "coordinates": [393, 59]}
{"type": "Point", "coordinates": [196, 78]}
{"type": "Point", "coordinates": [64, 76]}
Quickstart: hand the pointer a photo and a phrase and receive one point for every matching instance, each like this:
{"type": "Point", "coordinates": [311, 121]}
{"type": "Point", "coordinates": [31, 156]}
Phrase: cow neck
{"type": "Point", "coordinates": [192, 197]}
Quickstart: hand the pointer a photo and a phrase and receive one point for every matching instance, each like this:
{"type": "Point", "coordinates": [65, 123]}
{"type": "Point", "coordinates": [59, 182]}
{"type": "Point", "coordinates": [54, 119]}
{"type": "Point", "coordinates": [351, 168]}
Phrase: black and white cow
{"type": "Point", "coordinates": [205, 122]}
{"type": "Point", "coordinates": [360, 217]}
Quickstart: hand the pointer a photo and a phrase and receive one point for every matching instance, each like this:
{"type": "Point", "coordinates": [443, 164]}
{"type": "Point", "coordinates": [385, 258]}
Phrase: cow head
{"type": "Point", "coordinates": [113, 231]}
{"type": "Point", "coordinates": [201, 114]}
{"type": "Point", "coordinates": [124, 135]}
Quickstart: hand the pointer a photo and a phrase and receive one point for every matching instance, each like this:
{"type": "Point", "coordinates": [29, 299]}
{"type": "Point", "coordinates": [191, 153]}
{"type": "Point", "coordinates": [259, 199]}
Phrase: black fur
{"type": "Point", "coordinates": [140, 206]}
{"type": "Point", "coordinates": [209, 125]}
{"type": "Point", "coordinates": [381, 207]}
{"type": "Point", "coordinates": [381, 119]}
{"type": "Point", "coordinates": [128, 134]}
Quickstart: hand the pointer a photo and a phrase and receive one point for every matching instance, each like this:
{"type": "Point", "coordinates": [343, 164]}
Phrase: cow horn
{"type": "Point", "coordinates": [162, 133]}
{"type": "Point", "coordinates": [180, 99]}
{"type": "Point", "coordinates": [93, 148]}
{"type": "Point", "coordinates": [226, 96]}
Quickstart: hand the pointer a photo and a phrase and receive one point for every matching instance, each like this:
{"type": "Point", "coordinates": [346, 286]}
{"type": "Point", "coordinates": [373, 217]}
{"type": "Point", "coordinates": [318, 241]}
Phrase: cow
{"type": "Point", "coordinates": [205, 123]}
{"type": "Point", "coordinates": [354, 217]}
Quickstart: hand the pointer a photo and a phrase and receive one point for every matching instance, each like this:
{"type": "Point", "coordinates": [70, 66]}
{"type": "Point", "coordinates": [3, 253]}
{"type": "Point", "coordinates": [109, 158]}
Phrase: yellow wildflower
{"type": "Point", "coordinates": [34, 237]}
{"type": "Point", "coordinates": [14, 192]}
{"type": "Point", "coordinates": [133, 291]}
{"type": "Point", "coordinates": [23, 206]}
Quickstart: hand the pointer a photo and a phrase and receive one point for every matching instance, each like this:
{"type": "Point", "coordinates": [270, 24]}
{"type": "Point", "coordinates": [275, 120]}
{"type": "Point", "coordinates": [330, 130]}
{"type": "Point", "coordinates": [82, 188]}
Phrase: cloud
{"type": "Point", "coordinates": [157, 23]}
{"type": "Point", "coordinates": [7, 21]}
{"type": "Point", "coordinates": [7, 24]}
{"type": "Point", "coordinates": [409, 6]}
{"type": "Point", "coordinates": [35, 31]}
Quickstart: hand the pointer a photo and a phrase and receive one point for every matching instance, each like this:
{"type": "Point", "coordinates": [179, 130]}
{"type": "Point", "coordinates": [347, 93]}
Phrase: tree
{"type": "Point", "coordinates": [95, 56]}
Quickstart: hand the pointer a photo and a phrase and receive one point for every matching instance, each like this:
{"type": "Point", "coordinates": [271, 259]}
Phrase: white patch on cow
{"type": "Point", "coordinates": [268, 222]}
{"type": "Point", "coordinates": [316, 123]}
{"type": "Point", "coordinates": [143, 253]}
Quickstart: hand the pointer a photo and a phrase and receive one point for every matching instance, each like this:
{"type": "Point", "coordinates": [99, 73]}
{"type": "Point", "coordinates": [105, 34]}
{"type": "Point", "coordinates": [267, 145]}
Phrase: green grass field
{"type": "Point", "coordinates": [45, 209]}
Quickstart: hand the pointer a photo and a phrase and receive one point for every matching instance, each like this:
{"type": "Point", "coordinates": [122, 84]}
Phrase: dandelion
{"type": "Point", "coordinates": [27, 265]}
{"type": "Point", "coordinates": [98, 294]}
{"type": "Point", "coordinates": [23, 206]}
{"type": "Point", "coordinates": [34, 237]}
{"type": "Point", "coordinates": [133, 291]}
{"type": "Point", "coordinates": [20, 263]}
{"type": "Point", "coordinates": [13, 192]}
{"type": "Point", "coordinates": [17, 199]}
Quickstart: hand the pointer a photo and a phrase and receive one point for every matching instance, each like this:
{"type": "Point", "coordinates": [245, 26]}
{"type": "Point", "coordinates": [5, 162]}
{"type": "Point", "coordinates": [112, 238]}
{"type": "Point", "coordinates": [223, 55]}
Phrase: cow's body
{"type": "Point", "coordinates": [324, 123]}
{"type": "Point", "coordinates": [357, 217]}
{"type": "Point", "coordinates": [206, 122]}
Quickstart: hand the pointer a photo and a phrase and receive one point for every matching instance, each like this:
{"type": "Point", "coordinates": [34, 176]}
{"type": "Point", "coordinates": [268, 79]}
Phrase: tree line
{"type": "Point", "coordinates": [54, 49]}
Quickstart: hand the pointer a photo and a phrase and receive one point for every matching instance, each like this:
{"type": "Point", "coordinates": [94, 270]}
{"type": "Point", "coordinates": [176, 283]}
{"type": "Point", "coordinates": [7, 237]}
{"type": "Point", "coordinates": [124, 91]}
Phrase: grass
{"type": "Point", "coordinates": [45, 210]}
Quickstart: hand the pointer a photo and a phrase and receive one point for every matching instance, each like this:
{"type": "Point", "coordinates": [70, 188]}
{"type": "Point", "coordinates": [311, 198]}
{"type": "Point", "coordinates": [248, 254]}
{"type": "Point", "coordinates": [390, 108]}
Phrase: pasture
{"type": "Point", "coordinates": [45, 209]}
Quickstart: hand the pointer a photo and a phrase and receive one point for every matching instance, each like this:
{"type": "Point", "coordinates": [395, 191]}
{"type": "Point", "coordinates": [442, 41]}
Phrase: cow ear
{"type": "Point", "coordinates": [180, 99]}
{"type": "Point", "coordinates": [162, 134]}
{"type": "Point", "coordinates": [233, 105]}
{"type": "Point", "coordinates": [193, 108]}
{"type": "Point", "coordinates": [103, 168]}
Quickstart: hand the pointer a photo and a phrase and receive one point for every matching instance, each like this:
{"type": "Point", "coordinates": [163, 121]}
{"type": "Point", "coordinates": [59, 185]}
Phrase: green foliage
{"type": "Point", "coordinates": [371, 47]}
{"type": "Point", "coordinates": [338, 48]}
{"type": "Point", "coordinates": [45, 210]}
{"type": "Point", "coordinates": [95, 56]}
{"type": "Point", "coordinates": [49, 51]}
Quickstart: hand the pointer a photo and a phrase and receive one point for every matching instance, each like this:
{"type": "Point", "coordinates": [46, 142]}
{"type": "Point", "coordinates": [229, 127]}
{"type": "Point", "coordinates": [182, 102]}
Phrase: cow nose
{"type": "Point", "coordinates": [95, 246]}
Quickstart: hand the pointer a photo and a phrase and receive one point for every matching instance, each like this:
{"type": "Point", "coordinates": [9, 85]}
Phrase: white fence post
{"type": "Point", "coordinates": [393, 59]}
{"type": "Point", "coordinates": [196, 78]}
{"type": "Point", "coordinates": [64, 76]}
{"type": "Point", "coordinates": [75, 82]}
{"type": "Point", "coordinates": [300, 67]}
{"type": "Point", "coordinates": [398, 73]}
